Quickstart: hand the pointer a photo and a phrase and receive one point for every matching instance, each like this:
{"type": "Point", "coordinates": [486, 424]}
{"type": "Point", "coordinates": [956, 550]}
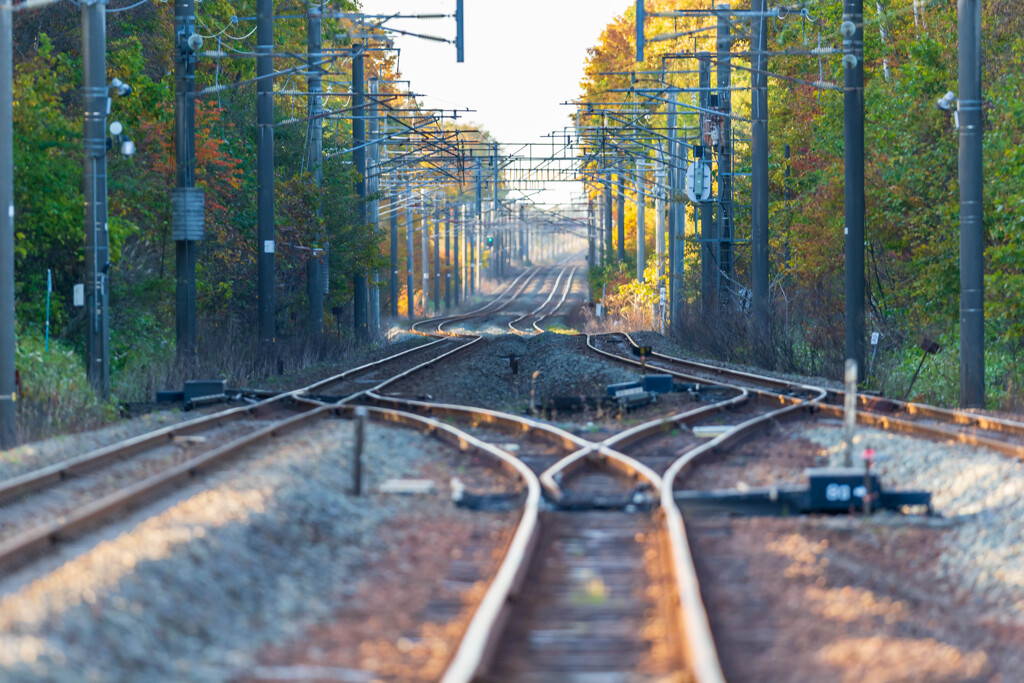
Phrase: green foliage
{"type": "Point", "coordinates": [55, 395]}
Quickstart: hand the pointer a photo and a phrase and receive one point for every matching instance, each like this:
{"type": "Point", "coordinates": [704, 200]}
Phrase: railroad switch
{"type": "Point", "coordinates": [830, 490]}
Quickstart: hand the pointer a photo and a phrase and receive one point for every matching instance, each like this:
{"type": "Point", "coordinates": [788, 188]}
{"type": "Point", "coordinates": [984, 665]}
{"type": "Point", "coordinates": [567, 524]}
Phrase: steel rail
{"type": "Point", "coordinates": [699, 641]}
{"type": "Point", "coordinates": [441, 321]}
{"type": "Point", "coordinates": [524, 316]}
{"type": "Point", "coordinates": [61, 471]}
{"type": "Point", "coordinates": [503, 306]}
{"type": "Point", "coordinates": [869, 411]}
{"type": "Point", "coordinates": [565, 294]}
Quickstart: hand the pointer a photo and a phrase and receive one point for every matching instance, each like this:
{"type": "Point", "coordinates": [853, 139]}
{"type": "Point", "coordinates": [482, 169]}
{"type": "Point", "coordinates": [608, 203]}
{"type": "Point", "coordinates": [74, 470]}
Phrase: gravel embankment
{"type": "Point", "coordinates": [32, 456]}
{"type": "Point", "coordinates": [482, 376]}
{"type": "Point", "coordinates": [203, 586]}
{"type": "Point", "coordinates": [889, 598]}
{"type": "Point", "coordinates": [38, 454]}
{"type": "Point", "coordinates": [980, 490]}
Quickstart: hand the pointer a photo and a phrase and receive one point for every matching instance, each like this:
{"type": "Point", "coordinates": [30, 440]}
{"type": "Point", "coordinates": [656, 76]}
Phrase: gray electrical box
{"type": "Point", "coordinates": [188, 214]}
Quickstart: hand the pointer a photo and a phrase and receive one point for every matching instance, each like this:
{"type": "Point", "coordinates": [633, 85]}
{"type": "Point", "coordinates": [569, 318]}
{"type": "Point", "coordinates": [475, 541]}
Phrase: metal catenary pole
{"type": "Point", "coordinates": [447, 256]}
{"type": "Point", "coordinates": [458, 211]}
{"type": "Point", "coordinates": [437, 260]}
{"type": "Point", "coordinates": [315, 265]}
{"type": "Point", "coordinates": [607, 251]}
{"type": "Point", "coordinates": [373, 205]}
{"type": "Point", "coordinates": [410, 279]}
{"type": "Point", "coordinates": [393, 256]}
{"type": "Point", "coordinates": [425, 254]}
{"type": "Point", "coordinates": [97, 239]}
{"type": "Point", "coordinates": [659, 214]}
{"type": "Point", "coordinates": [972, 245]}
{"type": "Point", "coordinates": [8, 388]}
{"type": "Point", "coordinates": [265, 169]}
{"type": "Point", "coordinates": [725, 158]}
{"type": "Point", "coordinates": [186, 199]}
{"type": "Point", "coordinates": [673, 205]}
{"type": "Point", "coordinates": [621, 178]}
{"type": "Point", "coordinates": [359, 292]}
{"type": "Point", "coordinates": [677, 230]}
{"type": "Point", "coordinates": [853, 116]}
{"type": "Point", "coordinates": [641, 231]}
{"type": "Point", "coordinates": [708, 226]}
{"type": "Point", "coordinates": [759, 180]}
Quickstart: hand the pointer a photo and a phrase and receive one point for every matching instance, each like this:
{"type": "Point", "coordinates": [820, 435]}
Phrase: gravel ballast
{"type": "Point", "coordinates": [980, 490]}
{"type": "Point", "coordinates": [198, 587]}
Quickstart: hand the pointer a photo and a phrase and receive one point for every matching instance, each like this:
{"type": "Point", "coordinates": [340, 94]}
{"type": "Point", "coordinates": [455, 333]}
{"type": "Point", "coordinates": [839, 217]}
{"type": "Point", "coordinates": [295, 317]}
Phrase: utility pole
{"type": "Point", "coordinates": [97, 238]}
{"type": "Point", "coordinates": [972, 245]}
{"type": "Point", "coordinates": [373, 206]}
{"type": "Point", "coordinates": [437, 261]}
{"type": "Point", "coordinates": [459, 214]}
{"type": "Point", "coordinates": [410, 282]}
{"type": "Point", "coordinates": [725, 153]}
{"type": "Point", "coordinates": [708, 227]}
{"type": "Point", "coordinates": [759, 263]}
{"type": "Point", "coordinates": [475, 248]}
{"type": "Point", "coordinates": [853, 115]}
{"type": "Point", "coordinates": [677, 226]}
{"type": "Point", "coordinates": [186, 198]}
{"type": "Point", "coordinates": [620, 176]}
{"type": "Point", "coordinates": [447, 256]}
{"type": "Point", "coordinates": [607, 216]}
{"type": "Point", "coordinates": [265, 170]}
{"type": "Point", "coordinates": [591, 251]}
{"type": "Point", "coordinates": [393, 206]}
{"type": "Point", "coordinates": [659, 214]}
{"type": "Point", "coordinates": [641, 231]}
{"type": "Point", "coordinates": [359, 293]}
{"type": "Point", "coordinates": [314, 163]}
{"type": "Point", "coordinates": [8, 386]}
{"type": "Point", "coordinates": [425, 253]}
{"type": "Point", "coordinates": [675, 290]}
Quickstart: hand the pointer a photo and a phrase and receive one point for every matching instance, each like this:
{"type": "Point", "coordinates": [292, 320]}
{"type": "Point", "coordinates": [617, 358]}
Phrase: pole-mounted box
{"type": "Point", "coordinates": [188, 214]}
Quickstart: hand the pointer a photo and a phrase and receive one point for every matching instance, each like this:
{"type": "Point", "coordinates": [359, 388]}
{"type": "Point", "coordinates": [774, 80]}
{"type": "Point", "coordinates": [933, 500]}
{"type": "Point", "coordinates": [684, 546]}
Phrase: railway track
{"type": "Point", "coordinates": [46, 506]}
{"type": "Point", "coordinates": [915, 419]}
{"type": "Point", "coordinates": [539, 312]}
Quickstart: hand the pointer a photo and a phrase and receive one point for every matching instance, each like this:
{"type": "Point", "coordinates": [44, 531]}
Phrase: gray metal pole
{"type": "Point", "coordinates": [641, 228]}
{"type": "Point", "coordinates": [621, 178]}
{"type": "Point", "coordinates": [97, 241]}
{"type": "Point", "coordinates": [725, 160]}
{"type": "Point", "coordinates": [759, 264]}
{"type": "Point", "coordinates": [314, 163]}
{"type": "Point", "coordinates": [410, 246]}
{"type": "Point", "coordinates": [853, 110]}
{"type": "Point", "coordinates": [265, 169]}
{"type": "Point", "coordinates": [677, 230]}
{"type": "Point", "coordinates": [972, 246]}
{"type": "Point", "coordinates": [460, 221]}
{"type": "Point", "coordinates": [673, 178]}
{"type": "Point", "coordinates": [186, 196]}
{"type": "Point", "coordinates": [8, 388]}
{"type": "Point", "coordinates": [373, 203]}
{"type": "Point", "coordinates": [392, 202]}
{"type": "Point", "coordinates": [447, 256]}
{"type": "Point", "coordinates": [708, 226]}
{"type": "Point", "coordinates": [359, 293]}
{"type": "Point", "coordinates": [608, 217]}
{"type": "Point", "coordinates": [425, 256]}
{"type": "Point", "coordinates": [437, 262]}
{"type": "Point", "coordinates": [591, 229]}
{"type": "Point", "coordinates": [659, 214]}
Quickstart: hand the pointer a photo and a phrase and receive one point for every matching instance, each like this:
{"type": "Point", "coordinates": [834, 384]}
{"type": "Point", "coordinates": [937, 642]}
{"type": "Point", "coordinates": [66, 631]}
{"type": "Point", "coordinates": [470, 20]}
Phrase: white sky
{"type": "Point", "coordinates": [523, 59]}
